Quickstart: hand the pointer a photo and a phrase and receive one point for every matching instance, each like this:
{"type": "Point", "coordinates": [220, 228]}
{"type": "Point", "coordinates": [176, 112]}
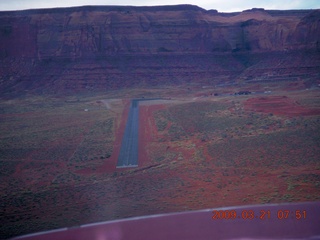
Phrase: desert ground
{"type": "Point", "coordinates": [199, 147]}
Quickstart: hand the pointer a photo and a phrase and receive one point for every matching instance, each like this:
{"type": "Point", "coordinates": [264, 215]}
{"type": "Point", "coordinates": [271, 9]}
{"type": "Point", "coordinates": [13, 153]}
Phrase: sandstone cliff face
{"type": "Point", "coordinates": [108, 43]}
{"type": "Point", "coordinates": [86, 31]}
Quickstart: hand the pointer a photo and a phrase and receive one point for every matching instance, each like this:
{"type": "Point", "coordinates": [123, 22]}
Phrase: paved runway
{"type": "Point", "coordinates": [128, 156]}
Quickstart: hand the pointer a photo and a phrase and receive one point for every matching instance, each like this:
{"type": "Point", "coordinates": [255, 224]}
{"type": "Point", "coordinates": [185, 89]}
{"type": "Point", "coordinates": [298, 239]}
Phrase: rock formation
{"type": "Point", "coordinates": [94, 48]}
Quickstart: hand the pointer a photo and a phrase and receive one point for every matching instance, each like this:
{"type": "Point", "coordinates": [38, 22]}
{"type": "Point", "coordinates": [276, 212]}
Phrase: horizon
{"type": "Point", "coordinates": [220, 6]}
{"type": "Point", "coordinates": [151, 6]}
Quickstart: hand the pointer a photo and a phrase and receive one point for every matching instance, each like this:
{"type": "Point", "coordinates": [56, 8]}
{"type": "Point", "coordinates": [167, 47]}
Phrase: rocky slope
{"type": "Point", "coordinates": [100, 48]}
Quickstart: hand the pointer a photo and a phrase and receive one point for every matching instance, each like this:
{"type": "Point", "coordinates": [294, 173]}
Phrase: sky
{"type": "Point", "coordinates": [220, 5]}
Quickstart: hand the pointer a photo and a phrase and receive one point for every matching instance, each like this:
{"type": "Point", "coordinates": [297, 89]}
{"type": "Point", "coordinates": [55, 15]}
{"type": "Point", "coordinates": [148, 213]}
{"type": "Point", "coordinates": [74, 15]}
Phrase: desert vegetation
{"type": "Point", "coordinates": [58, 161]}
{"type": "Point", "coordinates": [239, 124]}
{"type": "Point", "coordinates": [44, 142]}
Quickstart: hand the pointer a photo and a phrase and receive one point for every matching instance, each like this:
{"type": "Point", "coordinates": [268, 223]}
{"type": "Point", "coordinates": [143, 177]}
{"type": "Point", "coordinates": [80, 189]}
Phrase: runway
{"type": "Point", "coordinates": [128, 156]}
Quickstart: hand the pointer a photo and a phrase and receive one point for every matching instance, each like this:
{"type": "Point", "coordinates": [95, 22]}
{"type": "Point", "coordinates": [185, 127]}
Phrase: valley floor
{"type": "Point", "coordinates": [198, 148]}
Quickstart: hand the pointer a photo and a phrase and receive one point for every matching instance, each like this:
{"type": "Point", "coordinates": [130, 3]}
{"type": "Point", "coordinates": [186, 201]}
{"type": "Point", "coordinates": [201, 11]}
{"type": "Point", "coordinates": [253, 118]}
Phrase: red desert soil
{"type": "Point", "coordinates": [279, 105]}
{"type": "Point", "coordinates": [247, 185]}
{"type": "Point", "coordinates": [110, 165]}
{"type": "Point", "coordinates": [147, 131]}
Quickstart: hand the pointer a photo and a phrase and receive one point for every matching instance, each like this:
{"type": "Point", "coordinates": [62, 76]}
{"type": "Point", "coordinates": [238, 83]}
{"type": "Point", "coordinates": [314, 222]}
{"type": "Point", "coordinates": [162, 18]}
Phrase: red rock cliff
{"type": "Point", "coordinates": [77, 41]}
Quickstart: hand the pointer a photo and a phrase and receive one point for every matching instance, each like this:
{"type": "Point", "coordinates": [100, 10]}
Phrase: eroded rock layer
{"type": "Point", "coordinates": [99, 48]}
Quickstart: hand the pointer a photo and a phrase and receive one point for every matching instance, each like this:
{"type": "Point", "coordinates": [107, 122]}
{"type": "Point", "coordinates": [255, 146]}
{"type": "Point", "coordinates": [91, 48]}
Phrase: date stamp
{"type": "Point", "coordinates": [259, 214]}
